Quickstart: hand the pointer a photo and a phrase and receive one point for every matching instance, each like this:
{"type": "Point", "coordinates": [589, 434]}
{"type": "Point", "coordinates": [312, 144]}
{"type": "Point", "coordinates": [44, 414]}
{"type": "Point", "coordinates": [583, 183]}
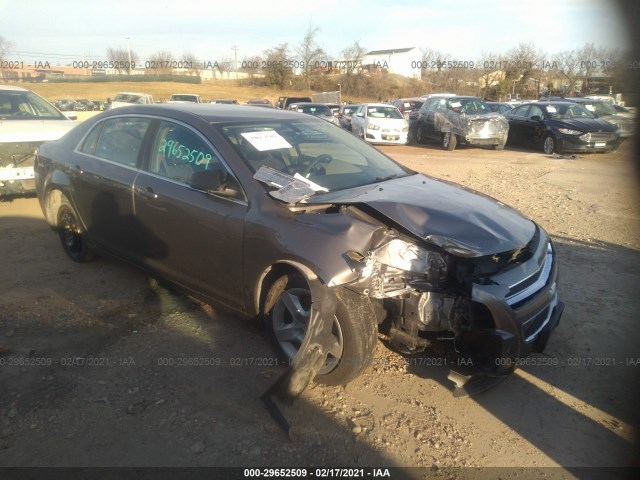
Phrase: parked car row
{"type": "Point", "coordinates": [553, 125]}
{"type": "Point", "coordinates": [81, 105]}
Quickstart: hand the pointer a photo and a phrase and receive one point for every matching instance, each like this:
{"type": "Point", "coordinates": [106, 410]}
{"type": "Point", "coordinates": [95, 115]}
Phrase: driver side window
{"type": "Point", "coordinates": [178, 152]}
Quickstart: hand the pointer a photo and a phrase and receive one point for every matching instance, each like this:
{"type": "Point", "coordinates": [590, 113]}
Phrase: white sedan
{"type": "Point", "coordinates": [380, 123]}
{"type": "Point", "coordinates": [26, 121]}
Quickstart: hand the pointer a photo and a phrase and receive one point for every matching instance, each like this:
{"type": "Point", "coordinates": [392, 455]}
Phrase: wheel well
{"type": "Point", "coordinates": [52, 203]}
{"type": "Point", "coordinates": [274, 273]}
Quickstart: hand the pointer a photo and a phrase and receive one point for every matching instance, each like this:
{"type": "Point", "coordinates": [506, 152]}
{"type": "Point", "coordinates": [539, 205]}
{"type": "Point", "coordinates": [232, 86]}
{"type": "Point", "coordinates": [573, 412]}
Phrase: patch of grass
{"type": "Point", "coordinates": [159, 90]}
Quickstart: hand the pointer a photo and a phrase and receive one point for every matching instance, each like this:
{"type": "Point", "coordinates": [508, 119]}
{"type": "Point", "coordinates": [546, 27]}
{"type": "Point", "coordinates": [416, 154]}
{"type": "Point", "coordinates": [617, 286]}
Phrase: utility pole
{"type": "Point", "coordinates": [235, 56]}
{"type": "Point", "coordinates": [129, 52]}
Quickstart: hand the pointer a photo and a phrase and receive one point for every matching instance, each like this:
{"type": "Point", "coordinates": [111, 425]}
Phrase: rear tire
{"type": "Point", "coordinates": [286, 315]}
{"type": "Point", "coordinates": [72, 237]}
{"type": "Point", "coordinates": [449, 141]}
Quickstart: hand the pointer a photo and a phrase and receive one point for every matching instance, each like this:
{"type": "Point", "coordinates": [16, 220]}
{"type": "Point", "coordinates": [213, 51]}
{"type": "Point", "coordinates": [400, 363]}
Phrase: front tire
{"type": "Point", "coordinates": [286, 314]}
{"type": "Point", "coordinates": [72, 237]}
{"type": "Point", "coordinates": [449, 141]}
{"type": "Point", "coordinates": [549, 144]}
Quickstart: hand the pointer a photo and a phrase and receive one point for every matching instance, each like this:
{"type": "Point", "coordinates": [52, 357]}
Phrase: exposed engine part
{"type": "Point", "coordinates": [435, 311]}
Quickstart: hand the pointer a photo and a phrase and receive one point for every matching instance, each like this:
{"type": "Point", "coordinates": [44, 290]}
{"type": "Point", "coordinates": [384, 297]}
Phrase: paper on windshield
{"type": "Point", "coordinates": [290, 190]}
{"type": "Point", "coordinates": [314, 186]}
{"type": "Point", "coordinates": [551, 109]}
{"type": "Point", "coordinates": [266, 140]}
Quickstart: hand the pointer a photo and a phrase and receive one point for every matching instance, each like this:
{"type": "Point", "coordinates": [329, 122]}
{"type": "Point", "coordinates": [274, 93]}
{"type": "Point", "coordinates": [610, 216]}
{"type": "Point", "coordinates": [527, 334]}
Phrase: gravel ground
{"type": "Point", "coordinates": [128, 405]}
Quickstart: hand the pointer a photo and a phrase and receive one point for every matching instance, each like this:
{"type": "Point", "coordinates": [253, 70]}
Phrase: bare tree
{"type": "Point", "coordinates": [434, 70]}
{"type": "Point", "coordinates": [5, 47]}
{"type": "Point", "coordinates": [251, 66]}
{"type": "Point", "coordinates": [225, 65]}
{"type": "Point", "coordinates": [278, 71]}
{"type": "Point", "coordinates": [568, 63]}
{"type": "Point", "coordinates": [310, 54]}
{"type": "Point", "coordinates": [523, 63]}
{"type": "Point", "coordinates": [191, 63]}
{"type": "Point", "coordinates": [161, 62]}
{"type": "Point", "coordinates": [351, 65]}
{"type": "Point", "coordinates": [120, 58]}
{"type": "Point", "coordinates": [490, 75]}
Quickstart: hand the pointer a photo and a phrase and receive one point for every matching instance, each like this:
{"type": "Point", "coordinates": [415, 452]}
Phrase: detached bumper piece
{"type": "Point", "coordinates": [310, 357]}
{"type": "Point", "coordinates": [497, 350]}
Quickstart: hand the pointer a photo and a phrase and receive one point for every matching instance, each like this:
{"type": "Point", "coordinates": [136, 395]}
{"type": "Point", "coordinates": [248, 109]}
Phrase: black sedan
{"type": "Point", "coordinates": [559, 127]}
{"type": "Point", "coordinates": [284, 217]}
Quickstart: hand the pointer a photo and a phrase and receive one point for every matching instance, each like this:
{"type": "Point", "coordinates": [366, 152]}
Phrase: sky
{"type": "Point", "coordinates": [72, 30]}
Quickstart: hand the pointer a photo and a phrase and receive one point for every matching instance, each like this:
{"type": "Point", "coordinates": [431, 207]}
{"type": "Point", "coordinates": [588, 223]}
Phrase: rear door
{"type": "Point", "coordinates": [102, 180]}
{"type": "Point", "coordinates": [201, 233]}
{"type": "Point", "coordinates": [518, 125]}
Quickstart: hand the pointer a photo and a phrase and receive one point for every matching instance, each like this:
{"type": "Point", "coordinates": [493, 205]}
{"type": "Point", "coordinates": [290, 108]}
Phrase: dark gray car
{"type": "Point", "coordinates": [459, 119]}
{"type": "Point", "coordinates": [285, 217]}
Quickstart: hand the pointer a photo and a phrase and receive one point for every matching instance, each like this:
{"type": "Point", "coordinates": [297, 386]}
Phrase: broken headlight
{"type": "Point", "coordinates": [409, 257]}
{"type": "Point", "coordinates": [400, 267]}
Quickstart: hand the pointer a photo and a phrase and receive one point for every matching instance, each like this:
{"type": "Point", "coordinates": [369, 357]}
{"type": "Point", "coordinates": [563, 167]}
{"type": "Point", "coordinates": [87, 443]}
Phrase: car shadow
{"type": "Point", "coordinates": [577, 401]}
{"type": "Point", "coordinates": [142, 375]}
{"type": "Point", "coordinates": [105, 366]}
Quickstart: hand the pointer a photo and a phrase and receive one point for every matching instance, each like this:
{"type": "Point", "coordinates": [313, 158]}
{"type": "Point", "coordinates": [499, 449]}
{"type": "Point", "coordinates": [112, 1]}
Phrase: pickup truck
{"type": "Point", "coordinates": [184, 98]}
{"type": "Point", "coordinates": [123, 99]}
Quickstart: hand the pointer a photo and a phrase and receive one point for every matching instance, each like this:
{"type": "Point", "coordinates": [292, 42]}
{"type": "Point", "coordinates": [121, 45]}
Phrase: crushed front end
{"type": "Point", "coordinates": [16, 167]}
{"type": "Point", "coordinates": [491, 309]}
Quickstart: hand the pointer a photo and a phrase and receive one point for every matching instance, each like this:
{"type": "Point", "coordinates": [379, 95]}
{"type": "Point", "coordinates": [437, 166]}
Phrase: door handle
{"type": "Point", "coordinates": [146, 192]}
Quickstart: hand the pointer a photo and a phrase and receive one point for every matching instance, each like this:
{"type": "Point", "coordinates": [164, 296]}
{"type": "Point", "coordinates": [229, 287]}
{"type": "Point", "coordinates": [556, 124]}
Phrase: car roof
{"type": "Point", "coordinates": [12, 88]}
{"type": "Point", "coordinates": [212, 113]}
{"type": "Point", "coordinates": [379, 105]}
{"type": "Point", "coordinates": [314, 104]}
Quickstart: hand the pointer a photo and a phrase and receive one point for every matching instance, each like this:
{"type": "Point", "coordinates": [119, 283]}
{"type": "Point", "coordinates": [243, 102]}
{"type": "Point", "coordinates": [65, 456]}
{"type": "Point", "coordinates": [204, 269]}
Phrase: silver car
{"type": "Point", "coordinates": [26, 121]}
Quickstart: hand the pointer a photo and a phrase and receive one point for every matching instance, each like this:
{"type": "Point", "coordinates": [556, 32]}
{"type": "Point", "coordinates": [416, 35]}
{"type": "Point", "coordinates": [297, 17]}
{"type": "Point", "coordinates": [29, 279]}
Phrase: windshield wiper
{"type": "Point", "coordinates": [389, 177]}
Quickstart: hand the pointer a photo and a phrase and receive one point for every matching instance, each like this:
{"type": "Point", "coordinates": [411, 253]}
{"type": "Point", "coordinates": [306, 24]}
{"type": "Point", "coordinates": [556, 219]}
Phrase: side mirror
{"type": "Point", "coordinates": [70, 115]}
{"type": "Point", "coordinates": [360, 114]}
{"type": "Point", "coordinates": [208, 180]}
{"type": "Point", "coordinates": [536, 118]}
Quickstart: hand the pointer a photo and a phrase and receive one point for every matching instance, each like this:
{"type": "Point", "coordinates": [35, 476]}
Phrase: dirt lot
{"type": "Point", "coordinates": [574, 406]}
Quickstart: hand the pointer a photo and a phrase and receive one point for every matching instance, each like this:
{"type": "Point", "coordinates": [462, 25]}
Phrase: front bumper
{"type": "Point", "coordinates": [571, 143]}
{"type": "Point", "coordinates": [395, 137]}
{"type": "Point", "coordinates": [17, 180]}
{"type": "Point", "coordinates": [524, 305]}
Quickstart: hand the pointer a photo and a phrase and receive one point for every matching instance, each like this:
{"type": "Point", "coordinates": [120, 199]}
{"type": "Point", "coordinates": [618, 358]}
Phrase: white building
{"type": "Point", "coordinates": [401, 61]}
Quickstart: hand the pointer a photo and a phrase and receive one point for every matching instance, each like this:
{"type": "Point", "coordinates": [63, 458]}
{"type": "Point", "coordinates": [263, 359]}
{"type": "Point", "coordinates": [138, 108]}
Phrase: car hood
{"type": "Point", "coordinates": [585, 124]}
{"type": "Point", "coordinates": [33, 130]}
{"type": "Point", "coordinates": [397, 123]}
{"type": "Point", "coordinates": [461, 222]}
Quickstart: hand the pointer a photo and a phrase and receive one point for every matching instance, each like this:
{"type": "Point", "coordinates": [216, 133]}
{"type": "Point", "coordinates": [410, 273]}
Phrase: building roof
{"type": "Point", "coordinates": [392, 51]}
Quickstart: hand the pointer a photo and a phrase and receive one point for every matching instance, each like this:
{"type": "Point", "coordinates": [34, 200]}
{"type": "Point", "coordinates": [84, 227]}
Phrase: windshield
{"type": "Point", "coordinates": [17, 105]}
{"type": "Point", "coordinates": [317, 110]}
{"type": "Point", "coordinates": [384, 112]}
{"type": "Point", "coordinates": [472, 106]}
{"type": "Point", "coordinates": [600, 108]}
{"type": "Point", "coordinates": [316, 150]}
{"type": "Point", "coordinates": [184, 98]}
{"type": "Point", "coordinates": [349, 110]}
{"type": "Point", "coordinates": [564, 110]}
{"type": "Point", "coordinates": [128, 98]}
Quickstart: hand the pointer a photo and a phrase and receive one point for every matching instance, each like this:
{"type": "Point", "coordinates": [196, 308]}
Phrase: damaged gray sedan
{"type": "Point", "coordinates": [454, 120]}
{"type": "Point", "coordinates": [290, 219]}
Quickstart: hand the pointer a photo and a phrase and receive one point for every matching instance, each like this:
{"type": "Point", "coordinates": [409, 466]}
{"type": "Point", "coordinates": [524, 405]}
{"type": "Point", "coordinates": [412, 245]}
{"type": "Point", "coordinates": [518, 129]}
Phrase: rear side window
{"type": "Point", "coordinates": [120, 139]}
{"type": "Point", "coordinates": [89, 145]}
